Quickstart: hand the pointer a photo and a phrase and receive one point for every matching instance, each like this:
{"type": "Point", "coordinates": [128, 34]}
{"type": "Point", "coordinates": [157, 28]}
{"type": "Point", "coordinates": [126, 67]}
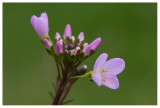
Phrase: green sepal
{"type": "Point", "coordinates": [86, 75]}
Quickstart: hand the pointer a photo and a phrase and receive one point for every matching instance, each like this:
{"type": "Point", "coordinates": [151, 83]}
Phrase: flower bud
{"type": "Point", "coordinates": [77, 48]}
{"type": "Point", "coordinates": [81, 70]}
{"type": "Point", "coordinates": [81, 37]}
{"type": "Point", "coordinates": [73, 52]}
{"type": "Point", "coordinates": [67, 32]}
{"type": "Point", "coordinates": [72, 38]}
{"type": "Point", "coordinates": [58, 36]}
{"type": "Point", "coordinates": [85, 44]}
{"type": "Point", "coordinates": [95, 44]}
{"type": "Point", "coordinates": [61, 41]}
{"type": "Point", "coordinates": [87, 50]}
{"type": "Point", "coordinates": [40, 25]}
{"type": "Point", "coordinates": [58, 48]}
{"type": "Point", "coordinates": [47, 44]}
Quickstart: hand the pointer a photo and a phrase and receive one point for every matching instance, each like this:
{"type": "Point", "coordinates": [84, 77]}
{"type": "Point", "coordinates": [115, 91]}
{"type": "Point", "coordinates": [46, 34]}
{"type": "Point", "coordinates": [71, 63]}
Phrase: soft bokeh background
{"type": "Point", "coordinates": [128, 31]}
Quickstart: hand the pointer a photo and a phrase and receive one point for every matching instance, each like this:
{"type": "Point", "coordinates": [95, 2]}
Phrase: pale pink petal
{"type": "Point", "coordinates": [114, 66]}
{"type": "Point", "coordinates": [40, 25]}
{"type": "Point", "coordinates": [111, 80]}
{"type": "Point", "coordinates": [100, 61]}
{"type": "Point", "coordinates": [96, 77]}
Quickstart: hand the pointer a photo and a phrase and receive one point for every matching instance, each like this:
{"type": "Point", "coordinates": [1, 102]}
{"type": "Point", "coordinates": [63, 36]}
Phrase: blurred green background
{"type": "Point", "coordinates": [128, 31]}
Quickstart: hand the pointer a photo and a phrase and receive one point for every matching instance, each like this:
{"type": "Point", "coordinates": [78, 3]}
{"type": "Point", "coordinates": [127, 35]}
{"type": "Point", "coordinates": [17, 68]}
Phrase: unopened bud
{"type": "Point", "coordinates": [72, 38]}
{"type": "Point", "coordinates": [47, 44]}
{"type": "Point", "coordinates": [81, 70]}
{"type": "Point", "coordinates": [87, 50]}
{"type": "Point", "coordinates": [61, 41]}
{"type": "Point", "coordinates": [67, 31]}
{"type": "Point", "coordinates": [58, 36]}
{"type": "Point", "coordinates": [95, 44]}
{"type": "Point", "coordinates": [81, 37]}
{"type": "Point", "coordinates": [58, 48]}
{"type": "Point", "coordinates": [85, 44]}
{"type": "Point", "coordinates": [73, 52]}
{"type": "Point", "coordinates": [77, 48]}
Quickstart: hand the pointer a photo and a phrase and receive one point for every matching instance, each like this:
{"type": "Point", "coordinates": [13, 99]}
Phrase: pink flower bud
{"type": "Point", "coordinates": [73, 52]}
{"type": "Point", "coordinates": [47, 44]}
{"type": "Point", "coordinates": [73, 38]}
{"type": "Point", "coordinates": [95, 44]}
{"type": "Point", "coordinates": [81, 37]}
{"type": "Point", "coordinates": [40, 25]}
{"type": "Point", "coordinates": [58, 48]}
{"type": "Point", "coordinates": [85, 44]}
{"type": "Point", "coordinates": [67, 31]}
{"type": "Point", "coordinates": [87, 50]}
{"type": "Point", "coordinates": [58, 36]}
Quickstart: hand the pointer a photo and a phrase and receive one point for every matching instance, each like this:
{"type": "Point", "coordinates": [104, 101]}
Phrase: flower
{"type": "Point", "coordinates": [67, 31]}
{"type": "Point", "coordinates": [95, 44]}
{"type": "Point", "coordinates": [40, 25]}
{"type": "Point", "coordinates": [58, 48]}
{"type": "Point", "coordinates": [104, 72]}
{"type": "Point", "coordinates": [47, 44]}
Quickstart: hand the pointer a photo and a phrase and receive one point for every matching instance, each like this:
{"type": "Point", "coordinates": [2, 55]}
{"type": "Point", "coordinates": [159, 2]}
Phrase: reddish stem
{"type": "Point", "coordinates": [66, 92]}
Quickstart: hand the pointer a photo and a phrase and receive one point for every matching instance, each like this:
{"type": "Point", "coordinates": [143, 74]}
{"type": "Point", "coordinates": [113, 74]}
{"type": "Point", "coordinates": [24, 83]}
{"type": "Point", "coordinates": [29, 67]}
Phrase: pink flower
{"type": "Point", "coordinates": [40, 25]}
{"type": "Point", "coordinates": [104, 72]}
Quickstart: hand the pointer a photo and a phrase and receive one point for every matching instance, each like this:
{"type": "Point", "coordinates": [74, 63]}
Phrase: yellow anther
{"type": "Point", "coordinates": [103, 79]}
{"type": "Point", "coordinates": [103, 70]}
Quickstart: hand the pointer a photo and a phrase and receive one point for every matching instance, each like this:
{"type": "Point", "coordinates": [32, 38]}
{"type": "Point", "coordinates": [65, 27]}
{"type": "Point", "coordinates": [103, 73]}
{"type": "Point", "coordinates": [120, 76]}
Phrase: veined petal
{"type": "Point", "coordinates": [114, 66]}
{"type": "Point", "coordinates": [111, 80]}
{"type": "Point", "coordinates": [96, 77]}
{"type": "Point", "coordinates": [100, 61]}
{"type": "Point", "coordinates": [40, 25]}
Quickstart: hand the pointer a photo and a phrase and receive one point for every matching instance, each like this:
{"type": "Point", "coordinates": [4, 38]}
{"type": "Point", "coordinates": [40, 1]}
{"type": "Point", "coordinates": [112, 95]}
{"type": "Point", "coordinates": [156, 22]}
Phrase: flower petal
{"type": "Point", "coordinates": [40, 24]}
{"type": "Point", "coordinates": [111, 80]}
{"type": "Point", "coordinates": [114, 66]}
{"type": "Point", "coordinates": [97, 78]}
{"type": "Point", "coordinates": [100, 61]}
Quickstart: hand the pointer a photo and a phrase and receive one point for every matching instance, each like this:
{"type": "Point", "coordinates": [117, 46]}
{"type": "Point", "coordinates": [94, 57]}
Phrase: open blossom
{"type": "Point", "coordinates": [104, 72]}
{"type": "Point", "coordinates": [40, 25]}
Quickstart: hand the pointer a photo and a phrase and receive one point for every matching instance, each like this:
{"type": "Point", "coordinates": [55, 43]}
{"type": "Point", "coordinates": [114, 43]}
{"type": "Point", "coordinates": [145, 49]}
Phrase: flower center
{"type": "Point", "coordinates": [101, 72]}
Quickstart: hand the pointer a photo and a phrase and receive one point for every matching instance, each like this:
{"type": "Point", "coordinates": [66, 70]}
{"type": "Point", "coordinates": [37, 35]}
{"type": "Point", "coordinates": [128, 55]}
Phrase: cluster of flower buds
{"type": "Point", "coordinates": [72, 48]}
{"type": "Point", "coordinates": [66, 47]}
